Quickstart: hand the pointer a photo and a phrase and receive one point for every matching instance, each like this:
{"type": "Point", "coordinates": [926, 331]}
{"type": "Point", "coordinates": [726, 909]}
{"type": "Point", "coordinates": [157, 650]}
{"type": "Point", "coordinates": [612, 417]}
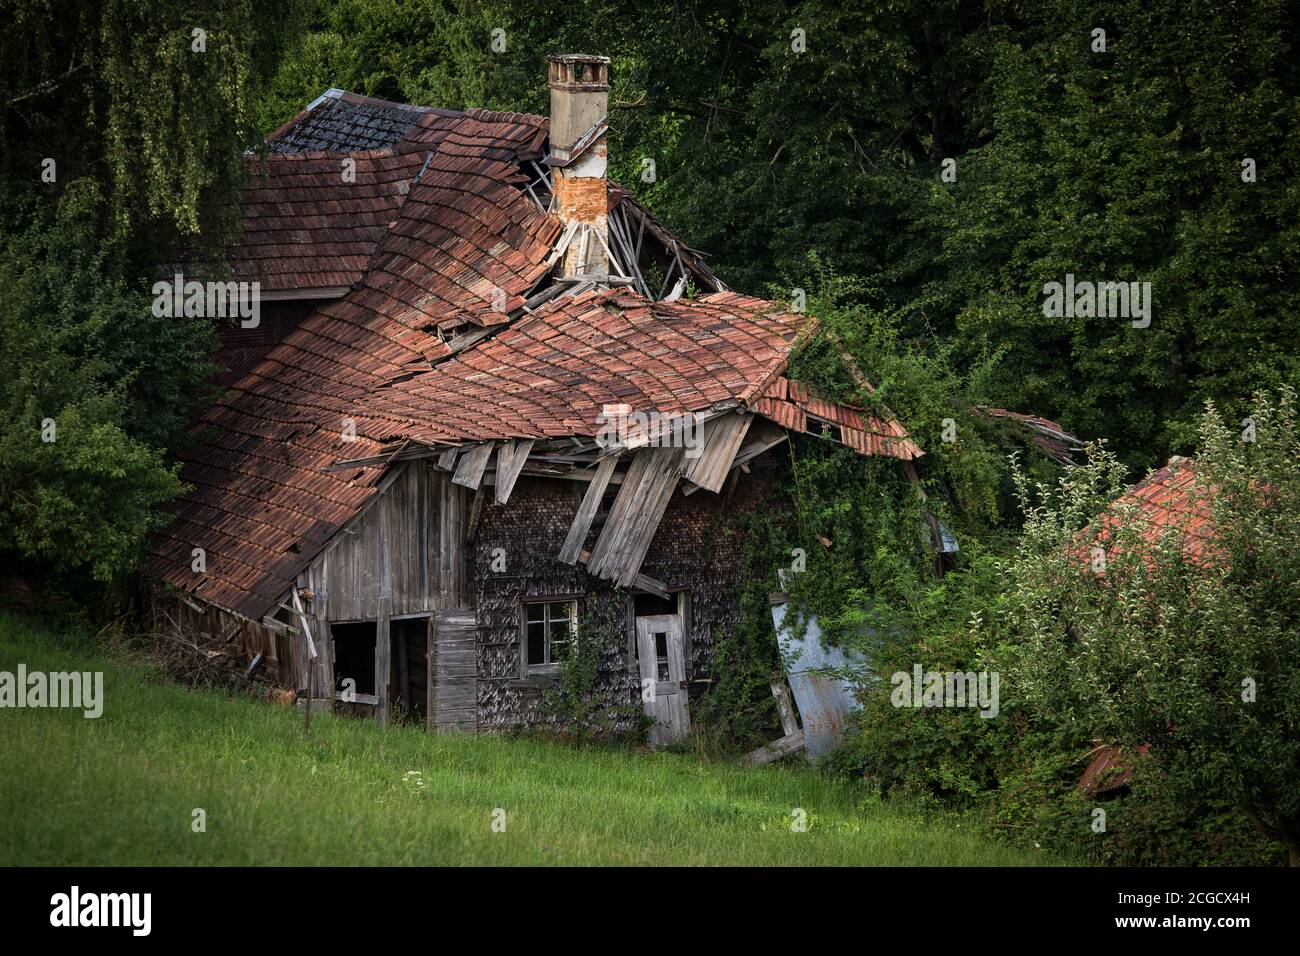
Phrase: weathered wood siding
{"type": "Point", "coordinates": [349, 567]}
{"type": "Point", "coordinates": [455, 670]}
{"type": "Point", "coordinates": [697, 548]}
{"type": "Point", "coordinates": [404, 555]}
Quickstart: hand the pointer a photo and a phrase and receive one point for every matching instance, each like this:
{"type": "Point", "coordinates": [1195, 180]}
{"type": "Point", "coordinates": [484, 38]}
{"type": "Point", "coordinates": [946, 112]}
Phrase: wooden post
{"type": "Point", "coordinates": [311, 651]}
{"type": "Point", "coordinates": [383, 659]}
{"type": "Point", "coordinates": [383, 662]}
{"type": "Point", "coordinates": [788, 723]}
{"type": "Point", "coordinates": [428, 684]}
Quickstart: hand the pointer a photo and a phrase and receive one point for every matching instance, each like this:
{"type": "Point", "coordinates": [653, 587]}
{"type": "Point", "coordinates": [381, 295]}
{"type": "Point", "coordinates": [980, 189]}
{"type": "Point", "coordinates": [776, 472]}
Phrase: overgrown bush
{"type": "Point", "coordinates": [1186, 635]}
{"type": "Point", "coordinates": [578, 707]}
{"type": "Point", "coordinates": [1190, 651]}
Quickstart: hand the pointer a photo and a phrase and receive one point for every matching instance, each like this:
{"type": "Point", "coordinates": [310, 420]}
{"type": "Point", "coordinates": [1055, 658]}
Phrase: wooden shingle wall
{"type": "Point", "coordinates": [697, 548]}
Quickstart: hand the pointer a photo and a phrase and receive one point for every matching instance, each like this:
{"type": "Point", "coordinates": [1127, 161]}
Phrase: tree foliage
{"type": "Point", "coordinates": [1192, 651]}
{"type": "Point", "coordinates": [123, 132]}
{"type": "Point", "coordinates": [93, 391]}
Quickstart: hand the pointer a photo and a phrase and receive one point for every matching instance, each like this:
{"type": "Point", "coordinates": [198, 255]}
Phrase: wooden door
{"type": "Point", "coordinates": [663, 676]}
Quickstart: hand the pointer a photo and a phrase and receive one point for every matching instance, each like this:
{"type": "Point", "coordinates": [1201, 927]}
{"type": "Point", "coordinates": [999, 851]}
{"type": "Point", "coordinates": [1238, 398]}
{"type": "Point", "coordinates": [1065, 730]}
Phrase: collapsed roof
{"type": "Point", "coordinates": [295, 214]}
{"type": "Point", "coordinates": [441, 333]}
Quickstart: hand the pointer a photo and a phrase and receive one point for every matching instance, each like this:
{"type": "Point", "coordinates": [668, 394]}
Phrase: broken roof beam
{"type": "Point", "coordinates": [447, 458]}
{"type": "Point", "coordinates": [643, 582]}
{"type": "Point", "coordinates": [633, 520]}
{"type": "Point", "coordinates": [573, 541]}
{"type": "Point", "coordinates": [619, 234]}
{"type": "Point", "coordinates": [510, 462]}
{"type": "Point", "coordinates": [766, 442]}
{"type": "Point", "coordinates": [404, 451]}
{"type": "Point", "coordinates": [470, 468]}
{"type": "Point", "coordinates": [657, 431]}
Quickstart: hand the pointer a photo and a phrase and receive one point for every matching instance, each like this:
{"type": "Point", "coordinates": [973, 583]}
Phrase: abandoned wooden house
{"type": "Point", "coordinates": [470, 415]}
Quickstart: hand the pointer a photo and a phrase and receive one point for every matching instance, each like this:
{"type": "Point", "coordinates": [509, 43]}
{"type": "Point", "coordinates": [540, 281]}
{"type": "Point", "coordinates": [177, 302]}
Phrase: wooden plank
{"type": "Point", "coordinates": [782, 694]}
{"type": "Point", "coordinates": [573, 541]}
{"type": "Point", "coordinates": [383, 660]}
{"type": "Point", "coordinates": [454, 672]}
{"type": "Point", "coordinates": [469, 471]}
{"type": "Point", "coordinates": [447, 460]}
{"type": "Point", "coordinates": [766, 441]}
{"type": "Point", "coordinates": [643, 581]}
{"type": "Point", "coordinates": [635, 516]}
{"type": "Point", "coordinates": [773, 751]}
{"type": "Point", "coordinates": [475, 513]}
{"type": "Point", "coordinates": [302, 619]}
{"type": "Point", "coordinates": [510, 461]}
{"type": "Point", "coordinates": [383, 665]}
{"type": "Point", "coordinates": [371, 699]}
{"type": "Point", "coordinates": [428, 674]}
{"type": "Point", "coordinates": [722, 439]}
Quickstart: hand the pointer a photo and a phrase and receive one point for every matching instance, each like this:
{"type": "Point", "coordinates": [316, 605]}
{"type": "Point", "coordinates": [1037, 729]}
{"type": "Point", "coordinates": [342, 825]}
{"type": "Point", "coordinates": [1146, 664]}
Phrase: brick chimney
{"type": "Point", "coordinates": [579, 109]}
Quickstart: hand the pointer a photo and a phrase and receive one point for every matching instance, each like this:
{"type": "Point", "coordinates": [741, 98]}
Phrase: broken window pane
{"type": "Point", "coordinates": [536, 643]}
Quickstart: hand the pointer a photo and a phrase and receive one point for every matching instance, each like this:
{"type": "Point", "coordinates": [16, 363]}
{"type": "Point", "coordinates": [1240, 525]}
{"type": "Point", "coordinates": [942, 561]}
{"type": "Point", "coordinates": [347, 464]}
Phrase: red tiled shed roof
{"type": "Point", "coordinates": [1167, 499]}
{"type": "Point", "coordinates": [307, 227]}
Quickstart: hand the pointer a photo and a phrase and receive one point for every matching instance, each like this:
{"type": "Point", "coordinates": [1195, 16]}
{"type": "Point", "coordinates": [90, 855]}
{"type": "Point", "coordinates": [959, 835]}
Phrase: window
{"type": "Point", "coordinates": [661, 655]}
{"type": "Point", "coordinates": [550, 627]}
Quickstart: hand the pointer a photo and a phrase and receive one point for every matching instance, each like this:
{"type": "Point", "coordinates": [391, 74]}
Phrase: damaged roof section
{"type": "Point", "coordinates": [552, 374]}
{"type": "Point", "coordinates": [345, 123]}
{"type": "Point", "coordinates": [1048, 437]}
{"type": "Point", "coordinates": [795, 406]}
{"type": "Point", "coordinates": [342, 122]}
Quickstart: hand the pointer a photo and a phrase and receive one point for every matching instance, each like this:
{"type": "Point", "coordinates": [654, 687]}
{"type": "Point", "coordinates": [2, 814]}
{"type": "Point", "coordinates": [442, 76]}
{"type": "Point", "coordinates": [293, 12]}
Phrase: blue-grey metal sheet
{"type": "Point", "coordinates": [824, 701]}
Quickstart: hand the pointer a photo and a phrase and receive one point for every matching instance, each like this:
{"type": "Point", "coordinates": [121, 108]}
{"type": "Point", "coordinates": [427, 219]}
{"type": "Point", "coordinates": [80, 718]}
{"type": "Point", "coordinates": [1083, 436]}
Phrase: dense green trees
{"type": "Point", "coordinates": [1194, 652]}
{"type": "Point", "coordinates": [1122, 165]}
{"type": "Point", "coordinates": [122, 130]}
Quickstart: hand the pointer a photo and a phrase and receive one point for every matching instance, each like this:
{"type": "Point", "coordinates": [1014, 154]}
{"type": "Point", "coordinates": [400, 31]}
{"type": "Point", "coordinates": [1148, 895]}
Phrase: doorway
{"type": "Point", "coordinates": [409, 656]}
{"type": "Point", "coordinates": [661, 660]}
{"type": "Point", "coordinates": [356, 663]}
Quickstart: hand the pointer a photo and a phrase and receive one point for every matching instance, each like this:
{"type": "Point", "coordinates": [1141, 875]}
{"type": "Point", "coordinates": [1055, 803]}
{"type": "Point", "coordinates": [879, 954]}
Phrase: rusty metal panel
{"type": "Point", "coordinates": [824, 700]}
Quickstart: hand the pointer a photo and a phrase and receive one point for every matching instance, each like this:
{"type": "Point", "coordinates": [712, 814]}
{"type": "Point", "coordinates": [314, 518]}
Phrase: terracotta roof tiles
{"type": "Point", "coordinates": [436, 232]}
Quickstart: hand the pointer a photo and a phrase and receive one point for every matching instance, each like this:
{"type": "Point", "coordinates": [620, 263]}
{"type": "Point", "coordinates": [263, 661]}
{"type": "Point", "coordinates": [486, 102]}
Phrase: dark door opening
{"type": "Point", "coordinates": [354, 661]}
{"type": "Point", "coordinates": [410, 667]}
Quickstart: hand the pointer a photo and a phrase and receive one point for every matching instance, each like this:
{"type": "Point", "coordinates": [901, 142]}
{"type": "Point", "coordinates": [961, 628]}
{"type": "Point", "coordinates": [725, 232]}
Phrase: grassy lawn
{"type": "Point", "coordinates": [121, 789]}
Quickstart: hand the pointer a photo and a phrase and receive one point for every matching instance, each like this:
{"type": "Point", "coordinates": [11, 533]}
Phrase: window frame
{"type": "Point", "coordinates": [549, 667]}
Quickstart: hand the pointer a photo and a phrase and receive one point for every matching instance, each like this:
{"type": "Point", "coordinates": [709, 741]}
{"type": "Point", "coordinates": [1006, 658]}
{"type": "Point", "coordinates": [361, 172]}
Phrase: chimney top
{"type": "Point", "coordinates": [577, 71]}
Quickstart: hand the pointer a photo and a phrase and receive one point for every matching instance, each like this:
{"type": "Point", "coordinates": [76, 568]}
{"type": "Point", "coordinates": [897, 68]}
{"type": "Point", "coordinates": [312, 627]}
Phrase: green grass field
{"type": "Point", "coordinates": [122, 789]}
